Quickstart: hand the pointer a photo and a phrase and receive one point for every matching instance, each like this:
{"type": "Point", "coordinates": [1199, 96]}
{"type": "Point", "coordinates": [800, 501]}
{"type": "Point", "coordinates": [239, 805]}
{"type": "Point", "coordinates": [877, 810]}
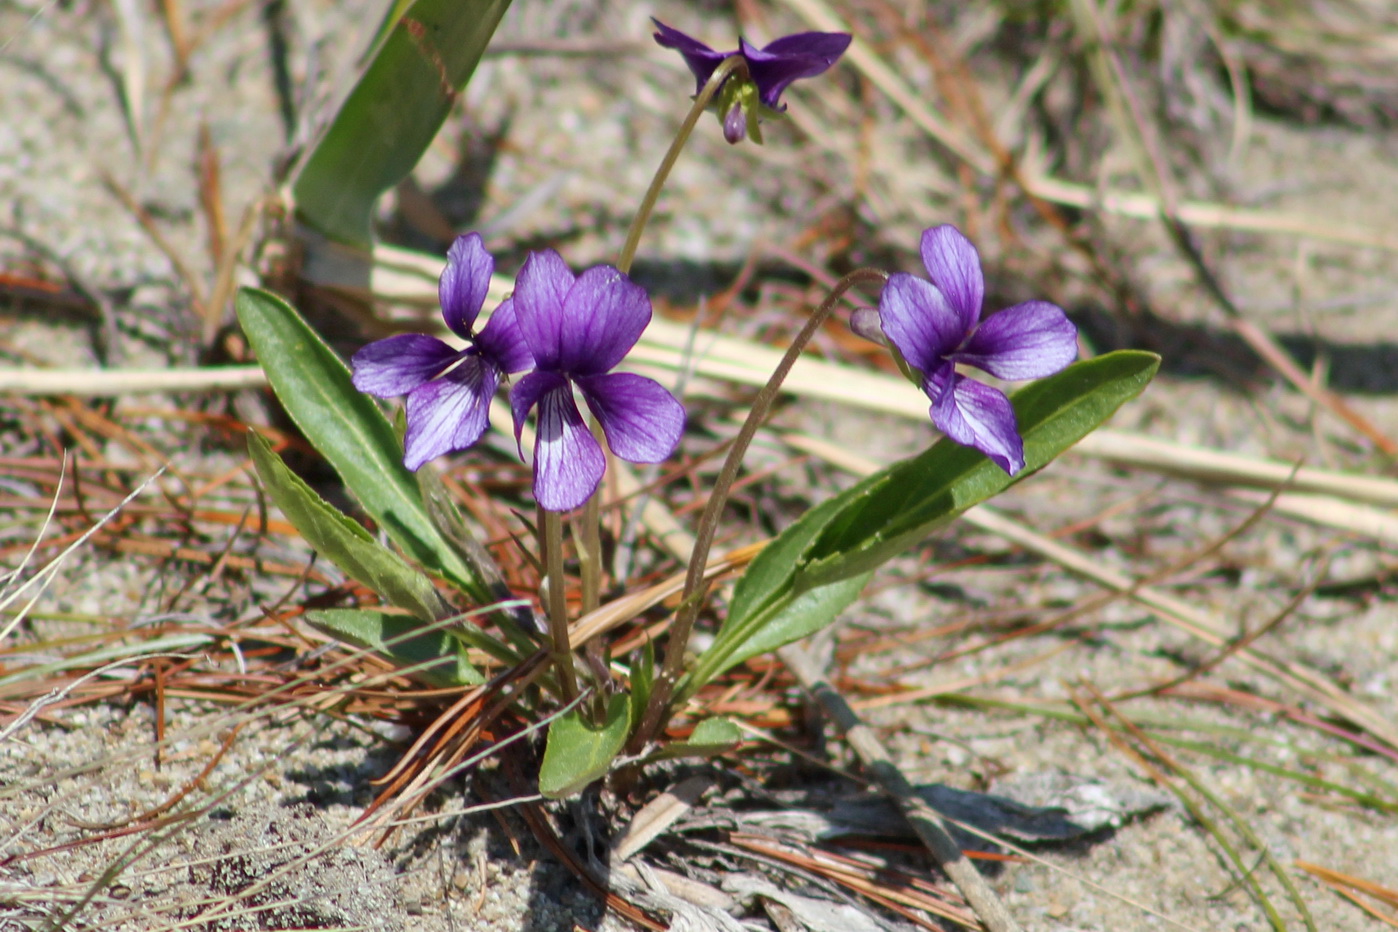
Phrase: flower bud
{"type": "Point", "coordinates": [864, 321]}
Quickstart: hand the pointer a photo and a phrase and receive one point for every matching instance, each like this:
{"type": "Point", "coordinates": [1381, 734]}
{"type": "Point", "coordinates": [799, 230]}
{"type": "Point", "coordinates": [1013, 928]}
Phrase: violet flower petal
{"type": "Point", "coordinates": [701, 59]}
{"type": "Point", "coordinates": [502, 341]}
{"type": "Point", "coordinates": [917, 318]}
{"type": "Point", "coordinates": [954, 266]}
{"type": "Point", "coordinates": [464, 283]}
{"type": "Point", "coordinates": [568, 461]}
{"type": "Point", "coordinates": [397, 365]}
{"type": "Point", "coordinates": [525, 394]}
{"type": "Point", "coordinates": [791, 58]}
{"type": "Point", "coordinates": [540, 290]}
{"type": "Point", "coordinates": [642, 421]}
{"type": "Point", "coordinates": [975, 415]}
{"type": "Point", "coordinates": [450, 413]}
{"type": "Point", "coordinates": [602, 318]}
{"type": "Point", "coordinates": [1028, 341]}
{"type": "Point", "coordinates": [735, 124]}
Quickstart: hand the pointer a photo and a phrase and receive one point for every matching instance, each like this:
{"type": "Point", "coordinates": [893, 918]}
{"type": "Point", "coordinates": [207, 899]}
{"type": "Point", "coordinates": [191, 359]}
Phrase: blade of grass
{"type": "Point", "coordinates": [1245, 875]}
{"type": "Point", "coordinates": [1346, 885]}
{"type": "Point", "coordinates": [1214, 799]}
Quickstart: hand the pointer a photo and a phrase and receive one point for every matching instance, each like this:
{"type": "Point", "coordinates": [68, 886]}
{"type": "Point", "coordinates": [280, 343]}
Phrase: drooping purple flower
{"type": "Point", "coordinates": [578, 328]}
{"type": "Point", "coordinates": [770, 70]}
{"type": "Point", "coordinates": [937, 325]}
{"type": "Point", "coordinates": [448, 390]}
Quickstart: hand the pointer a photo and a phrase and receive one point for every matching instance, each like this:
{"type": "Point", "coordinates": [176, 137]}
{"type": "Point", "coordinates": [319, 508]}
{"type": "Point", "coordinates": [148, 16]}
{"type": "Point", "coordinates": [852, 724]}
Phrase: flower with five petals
{"type": "Point", "coordinates": [578, 328]}
{"type": "Point", "coordinates": [448, 390]}
{"type": "Point", "coordinates": [936, 325]}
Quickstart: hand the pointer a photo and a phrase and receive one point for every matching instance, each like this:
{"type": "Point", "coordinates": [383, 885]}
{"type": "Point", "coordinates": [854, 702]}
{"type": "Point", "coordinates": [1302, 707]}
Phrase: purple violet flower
{"type": "Point", "coordinates": [449, 390]}
{"type": "Point", "coordinates": [770, 70]}
{"type": "Point", "coordinates": [579, 328]}
{"type": "Point", "coordinates": [937, 325]}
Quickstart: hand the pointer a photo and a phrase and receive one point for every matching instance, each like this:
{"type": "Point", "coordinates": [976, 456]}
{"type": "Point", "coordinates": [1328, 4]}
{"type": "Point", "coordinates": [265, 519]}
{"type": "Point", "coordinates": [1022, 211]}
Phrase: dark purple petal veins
{"type": "Point", "coordinates": [791, 58]}
{"type": "Point", "coordinates": [502, 341]}
{"type": "Point", "coordinates": [540, 290]}
{"type": "Point", "coordinates": [1028, 341]}
{"type": "Point", "coordinates": [449, 414]}
{"type": "Point", "coordinates": [918, 320]}
{"type": "Point", "coordinates": [603, 316]}
{"type": "Point", "coordinates": [525, 395]}
{"type": "Point", "coordinates": [701, 59]}
{"type": "Point", "coordinates": [395, 366]}
{"type": "Point", "coordinates": [568, 461]}
{"type": "Point", "coordinates": [976, 415]}
{"type": "Point", "coordinates": [464, 283]}
{"type": "Point", "coordinates": [954, 266]}
{"type": "Point", "coordinates": [642, 421]}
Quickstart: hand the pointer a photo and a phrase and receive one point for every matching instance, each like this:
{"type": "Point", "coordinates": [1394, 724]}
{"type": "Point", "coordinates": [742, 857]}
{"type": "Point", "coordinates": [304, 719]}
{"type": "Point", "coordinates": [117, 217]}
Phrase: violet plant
{"type": "Point", "coordinates": [562, 335]}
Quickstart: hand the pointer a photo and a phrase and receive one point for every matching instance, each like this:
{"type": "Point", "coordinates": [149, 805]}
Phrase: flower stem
{"type": "Point", "coordinates": [551, 527]}
{"type": "Point", "coordinates": [657, 709]}
{"type": "Point", "coordinates": [587, 535]}
{"type": "Point", "coordinates": [728, 66]}
{"type": "Point", "coordinates": [587, 538]}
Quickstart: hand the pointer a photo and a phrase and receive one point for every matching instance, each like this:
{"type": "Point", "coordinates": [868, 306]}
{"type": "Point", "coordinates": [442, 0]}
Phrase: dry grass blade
{"type": "Point", "coordinates": [1350, 887]}
{"type": "Point", "coordinates": [1307, 682]}
{"type": "Point", "coordinates": [1244, 874]}
{"type": "Point", "coordinates": [1209, 215]}
{"type": "Point", "coordinates": [911, 897]}
{"type": "Point", "coordinates": [106, 382]}
{"type": "Point", "coordinates": [46, 575]}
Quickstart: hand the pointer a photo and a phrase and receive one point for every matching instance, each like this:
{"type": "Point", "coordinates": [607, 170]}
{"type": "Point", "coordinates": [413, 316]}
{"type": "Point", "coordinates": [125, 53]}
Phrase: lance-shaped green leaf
{"type": "Point", "coordinates": [391, 115]}
{"type": "Point", "coordinates": [815, 568]}
{"type": "Point", "coordinates": [578, 753]}
{"type": "Point", "coordinates": [432, 656]}
{"type": "Point", "coordinates": [897, 508]}
{"type": "Point", "coordinates": [348, 429]}
{"type": "Point", "coordinates": [343, 541]}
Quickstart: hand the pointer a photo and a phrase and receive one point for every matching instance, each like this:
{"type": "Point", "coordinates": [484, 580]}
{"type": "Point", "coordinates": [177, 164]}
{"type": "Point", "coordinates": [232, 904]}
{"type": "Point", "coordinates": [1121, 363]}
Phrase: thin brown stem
{"type": "Point", "coordinates": [691, 601]}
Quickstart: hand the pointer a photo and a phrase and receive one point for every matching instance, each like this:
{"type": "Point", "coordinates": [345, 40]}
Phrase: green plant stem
{"type": "Point", "coordinates": [727, 67]}
{"type": "Point", "coordinates": [657, 708]}
{"type": "Point", "coordinates": [551, 527]}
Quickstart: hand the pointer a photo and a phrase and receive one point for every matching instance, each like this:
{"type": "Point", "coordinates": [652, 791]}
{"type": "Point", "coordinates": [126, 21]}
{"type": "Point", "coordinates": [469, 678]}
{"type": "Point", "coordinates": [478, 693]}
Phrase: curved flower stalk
{"type": "Point", "coordinates": [578, 329]}
{"type": "Point", "coordinates": [741, 102]}
{"type": "Point", "coordinates": [935, 325]}
{"type": "Point", "coordinates": [448, 390]}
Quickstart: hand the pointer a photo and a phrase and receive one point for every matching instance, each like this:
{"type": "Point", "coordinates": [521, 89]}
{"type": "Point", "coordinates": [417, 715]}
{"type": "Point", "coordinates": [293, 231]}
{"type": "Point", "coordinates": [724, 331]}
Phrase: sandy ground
{"type": "Point", "coordinates": [573, 139]}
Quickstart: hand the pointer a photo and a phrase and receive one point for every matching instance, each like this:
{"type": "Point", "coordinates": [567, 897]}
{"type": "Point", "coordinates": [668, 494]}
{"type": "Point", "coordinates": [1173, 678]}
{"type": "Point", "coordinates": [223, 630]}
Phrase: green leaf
{"type": "Point", "coordinates": [348, 429]}
{"type": "Point", "coordinates": [432, 657]}
{"type": "Point", "coordinates": [343, 540]}
{"type": "Point", "coordinates": [392, 114]}
{"type": "Point", "coordinates": [577, 753]}
{"type": "Point", "coordinates": [711, 737]}
{"type": "Point", "coordinates": [898, 507]}
{"type": "Point", "coordinates": [816, 568]}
